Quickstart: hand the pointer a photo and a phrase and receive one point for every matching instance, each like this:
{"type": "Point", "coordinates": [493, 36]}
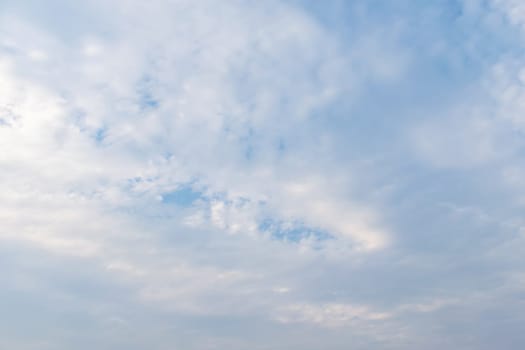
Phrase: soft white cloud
{"type": "Point", "coordinates": [329, 315]}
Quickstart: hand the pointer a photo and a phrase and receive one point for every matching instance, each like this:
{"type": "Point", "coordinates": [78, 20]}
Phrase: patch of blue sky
{"type": "Point", "coordinates": [100, 135]}
{"type": "Point", "coordinates": [294, 232]}
{"type": "Point", "coordinates": [147, 99]}
{"type": "Point", "coordinates": [183, 196]}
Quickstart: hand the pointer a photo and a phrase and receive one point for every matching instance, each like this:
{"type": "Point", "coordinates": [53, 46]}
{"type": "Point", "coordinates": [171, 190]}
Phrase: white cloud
{"type": "Point", "coordinates": [330, 315]}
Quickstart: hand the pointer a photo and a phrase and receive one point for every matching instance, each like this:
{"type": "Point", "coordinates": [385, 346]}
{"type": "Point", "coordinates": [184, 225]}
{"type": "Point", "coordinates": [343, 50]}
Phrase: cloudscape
{"type": "Point", "coordinates": [280, 175]}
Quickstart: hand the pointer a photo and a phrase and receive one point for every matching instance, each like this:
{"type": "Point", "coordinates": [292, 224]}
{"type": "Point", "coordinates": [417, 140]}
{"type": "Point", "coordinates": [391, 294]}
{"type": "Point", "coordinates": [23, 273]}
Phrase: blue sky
{"type": "Point", "coordinates": [262, 174]}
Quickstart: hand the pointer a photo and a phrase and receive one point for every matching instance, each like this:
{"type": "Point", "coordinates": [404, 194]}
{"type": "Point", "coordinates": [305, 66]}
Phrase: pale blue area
{"type": "Point", "coordinates": [147, 100]}
{"type": "Point", "coordinates": [294, 233]}
{"type": "Point", "coordinates": [183, 196]}
{"type": "Point", "coordinates": [100, 135]}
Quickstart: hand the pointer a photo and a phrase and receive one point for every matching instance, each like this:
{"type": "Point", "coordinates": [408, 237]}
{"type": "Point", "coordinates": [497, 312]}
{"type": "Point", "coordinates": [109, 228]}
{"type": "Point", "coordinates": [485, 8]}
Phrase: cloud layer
{"type": "Point", "coordinates": [263, 175]}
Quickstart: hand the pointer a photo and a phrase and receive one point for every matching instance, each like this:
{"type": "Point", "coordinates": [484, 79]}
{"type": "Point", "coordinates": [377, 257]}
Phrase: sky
{"type": "Point", "coordinates": [279, 175]}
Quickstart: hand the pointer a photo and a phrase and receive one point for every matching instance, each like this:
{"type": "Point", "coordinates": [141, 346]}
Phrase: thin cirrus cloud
{"type": "Point", "coordinates": [273, 175]}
